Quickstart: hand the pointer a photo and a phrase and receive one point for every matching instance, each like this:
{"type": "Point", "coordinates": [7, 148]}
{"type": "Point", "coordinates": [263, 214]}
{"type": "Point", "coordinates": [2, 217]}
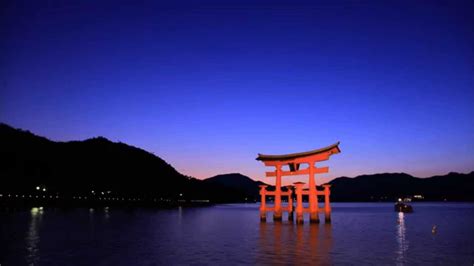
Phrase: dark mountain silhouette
{"type": "Point", "coordinates": [97, 164]}
{"type": "Point", "coordinates": [237, 182]}
{"type": "Point", "coordinates": [376, 187]}
{"type": "Point", "coordinates": [390, 186]}
{"type": "Point", "coordinates": [81, 165]}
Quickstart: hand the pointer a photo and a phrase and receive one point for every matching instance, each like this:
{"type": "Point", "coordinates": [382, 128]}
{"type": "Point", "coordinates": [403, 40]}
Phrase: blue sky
{"type": "Point", "coordinates": [207, 85]}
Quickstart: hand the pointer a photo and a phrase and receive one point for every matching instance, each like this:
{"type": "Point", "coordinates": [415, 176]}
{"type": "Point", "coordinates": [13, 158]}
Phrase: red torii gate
{"type": "Point", "coordinates": [294, 160]}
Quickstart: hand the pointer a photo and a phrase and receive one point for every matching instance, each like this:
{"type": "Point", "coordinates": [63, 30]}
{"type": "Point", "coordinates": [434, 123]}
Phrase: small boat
{"type": "Point", "coordinates": [402, 206]}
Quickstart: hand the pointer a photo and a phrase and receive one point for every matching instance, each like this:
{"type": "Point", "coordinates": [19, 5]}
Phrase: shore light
{"type": "Point", "coordinates": [37, 188]}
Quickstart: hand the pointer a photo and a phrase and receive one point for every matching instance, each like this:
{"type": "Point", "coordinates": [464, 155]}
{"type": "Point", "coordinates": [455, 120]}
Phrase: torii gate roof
{"type": "Point", "coordinates": [333, 149]}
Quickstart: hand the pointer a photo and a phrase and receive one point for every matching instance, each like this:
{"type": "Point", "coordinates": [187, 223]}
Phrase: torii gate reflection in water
{"type": "Point", "coordinates": [294, 161]}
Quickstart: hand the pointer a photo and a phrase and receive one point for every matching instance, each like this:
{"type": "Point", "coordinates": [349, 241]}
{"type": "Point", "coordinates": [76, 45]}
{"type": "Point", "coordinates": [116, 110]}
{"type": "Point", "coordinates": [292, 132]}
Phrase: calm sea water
{"type": "Point", "coordinates": [360, 233]}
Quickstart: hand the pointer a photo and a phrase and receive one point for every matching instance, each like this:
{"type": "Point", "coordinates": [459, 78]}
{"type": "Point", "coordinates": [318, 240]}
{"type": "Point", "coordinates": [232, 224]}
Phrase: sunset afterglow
{"type": "Point", "coordinates": [208, 87]}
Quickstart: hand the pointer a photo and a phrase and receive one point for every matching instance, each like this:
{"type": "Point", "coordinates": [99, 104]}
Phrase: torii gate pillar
{"type": "Point", "coordinates": [313, 198]}
{"type": "Point", "coordinates": [299, 202]}
{"type": "Point", "coordinates": [277, 214]}
{"type": "Point", "coordinates": [327, 204]}
{"type": "Point", "coordinates": [263, 212]}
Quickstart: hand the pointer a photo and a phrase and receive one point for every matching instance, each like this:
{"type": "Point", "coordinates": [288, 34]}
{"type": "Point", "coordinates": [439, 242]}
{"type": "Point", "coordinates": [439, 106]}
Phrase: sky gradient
{"type": "Point", "coordinates": [208, 86]}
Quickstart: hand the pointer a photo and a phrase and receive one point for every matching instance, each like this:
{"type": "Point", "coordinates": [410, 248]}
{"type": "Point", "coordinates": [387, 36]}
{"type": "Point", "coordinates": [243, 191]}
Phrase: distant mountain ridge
{"type": "Point", "coordinates": [389, 186]}
{"type": "Point", "coordinates": [95, 164]}
{"type": "Point", "coordinates": [238, 182]}
{"type": "Point", "coordinates": [99, 164]}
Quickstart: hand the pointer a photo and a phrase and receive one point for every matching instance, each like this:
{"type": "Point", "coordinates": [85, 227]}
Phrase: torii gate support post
{"type": "Point", "coordinates": [299, 202]}
{"type": "Point", "coordinates": [277, 214]}
{"type": "Point", "coordinates": [290, 202]}
{"type": "Point", "coordinates": [263, 208]}
{"type": "Point", "coordinates": [313, 198]}
{"type": "Point", "coordinates": [327, 205]}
